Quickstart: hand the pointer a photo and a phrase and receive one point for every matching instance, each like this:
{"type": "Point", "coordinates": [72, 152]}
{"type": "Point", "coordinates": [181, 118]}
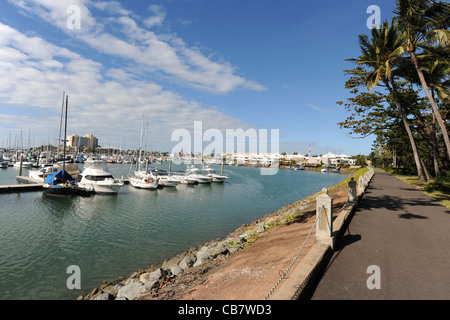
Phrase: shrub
{"type": "Point", "coordinates": [440, 184]}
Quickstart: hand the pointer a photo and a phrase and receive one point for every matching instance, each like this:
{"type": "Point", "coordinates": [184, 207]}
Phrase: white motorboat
{"type": "Point", "coordinates": [43, 172]}
{"type": "Point", "coordinates": [98, 178]}
{"type": "Point", "coordinates": [143, 181]}
{"type": "Point", "coordinates": [210, 172]}
{"type": "Point", "coordinates": [25, 164]}
{"type": "Point", "coordinates": [195, 173]}
{"type": "Point", "coordinates": [163, 178]}
{"type": "Point", "coordinates": [184, 179]}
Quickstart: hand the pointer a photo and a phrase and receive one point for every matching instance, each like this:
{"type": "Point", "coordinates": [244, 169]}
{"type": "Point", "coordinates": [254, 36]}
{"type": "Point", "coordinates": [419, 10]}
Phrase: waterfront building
{"type": "Point", "coordinates": [267, 159]}
{"type": "Point", "coordinates": [334, 160]}
{"type": "Point", "coordinates": [88, 141]}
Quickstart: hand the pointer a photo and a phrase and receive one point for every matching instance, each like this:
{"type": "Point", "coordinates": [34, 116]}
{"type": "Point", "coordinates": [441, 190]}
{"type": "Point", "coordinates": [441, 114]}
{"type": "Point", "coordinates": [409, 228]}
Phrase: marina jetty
{"type": "Point", "coordinates": [27, 184]}
{"type": "Point", "coordinates": [246, 264]}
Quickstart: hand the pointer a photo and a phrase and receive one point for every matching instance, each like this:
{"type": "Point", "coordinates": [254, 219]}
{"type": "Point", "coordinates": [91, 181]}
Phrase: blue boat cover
{"type": "Point", "coordinates": [59, 177]}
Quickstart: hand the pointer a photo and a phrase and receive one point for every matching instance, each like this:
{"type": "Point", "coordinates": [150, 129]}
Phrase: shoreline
{"type": "Point", "coordinates": [169, 279]}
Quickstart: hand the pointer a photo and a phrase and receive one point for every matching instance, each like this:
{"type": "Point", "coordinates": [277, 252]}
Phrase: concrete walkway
{"type": "Point", "coordinates": [404, 233]}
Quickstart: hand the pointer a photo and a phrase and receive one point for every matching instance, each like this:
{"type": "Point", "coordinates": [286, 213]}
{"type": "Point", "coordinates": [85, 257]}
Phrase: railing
{"type": "Point", "coordinates": [324, 213]}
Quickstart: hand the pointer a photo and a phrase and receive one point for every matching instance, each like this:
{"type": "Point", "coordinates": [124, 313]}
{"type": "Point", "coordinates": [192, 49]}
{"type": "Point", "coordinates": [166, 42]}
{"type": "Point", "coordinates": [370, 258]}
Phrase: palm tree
{"type": "Point", "coordinates": [382, 54]}
{"type": "Point", "coordinates": [436, 70]}
{"type": "Point", "coordinates": [424, 21]}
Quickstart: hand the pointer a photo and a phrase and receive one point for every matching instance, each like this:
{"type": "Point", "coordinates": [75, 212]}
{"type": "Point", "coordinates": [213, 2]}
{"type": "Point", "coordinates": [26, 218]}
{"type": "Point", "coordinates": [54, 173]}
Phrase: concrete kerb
{"type": "Point", "coordinates": [299, 284]}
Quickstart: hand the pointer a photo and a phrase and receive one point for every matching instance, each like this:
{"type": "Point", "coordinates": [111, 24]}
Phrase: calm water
{"type": "Point", "coordinates": [109, 236]}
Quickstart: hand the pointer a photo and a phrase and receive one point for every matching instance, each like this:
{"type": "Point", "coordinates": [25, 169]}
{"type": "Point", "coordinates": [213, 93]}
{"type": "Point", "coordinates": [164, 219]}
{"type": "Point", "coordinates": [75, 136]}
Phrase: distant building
{"type": "Point", "coordinates": [328, 159]}
{"type": "Point", "coordinates": [337, 159]}
{"type": "Point", "coordinates": [88, 141]}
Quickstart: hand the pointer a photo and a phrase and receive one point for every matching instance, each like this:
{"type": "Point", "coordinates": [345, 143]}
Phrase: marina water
{"type": "Point", "coordinates": [108, 236]}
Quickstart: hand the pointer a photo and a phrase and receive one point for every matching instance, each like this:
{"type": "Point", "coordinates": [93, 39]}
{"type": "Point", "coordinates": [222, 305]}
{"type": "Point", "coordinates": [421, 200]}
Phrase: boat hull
{"type": "Point", "coordinates": [169, 183]}
{"type": "Point", "coordinates": [101, 188]}
{"type": "Point", "coordinates": [24, 164]}
{"type": "Point", "coordinates": [140, 184]}
{"type": "Point", "coordinates": [218, 179]}
{"type": "Point", "coordinates": [58, 190]}
{"type": "Point", "coordinates": [189, 181]}
{"type": "Point", "coordinates": [204, 181]}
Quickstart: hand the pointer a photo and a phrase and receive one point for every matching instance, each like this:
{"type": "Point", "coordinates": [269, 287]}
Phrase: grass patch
{"type": "Point", "coordinates": [437, 189]}
{"type": "Point", "coordinates": [344, 184]}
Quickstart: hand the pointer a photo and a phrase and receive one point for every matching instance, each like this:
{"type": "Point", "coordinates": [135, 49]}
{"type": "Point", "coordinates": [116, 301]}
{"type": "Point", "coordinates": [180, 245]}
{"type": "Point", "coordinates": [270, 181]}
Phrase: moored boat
{"type": "Point", "coordinates": [143, 182]}
{"type": "Point", "coordinates": [195, 173]}
{"type": "Point", "coordinates": [183, 178]}
{"type": "Point", "coordinates": [163, 178]}
{"type": "Point", "coordinates": [60, 183]}
{"type": "Point", "coordinates": [98, 178]}
{"type": "Point", "coordinates": [45, 170]}
{"type": "Point", "coordinates": [25, 164]}
{"type": "Point", "coordinates": [210, 172]}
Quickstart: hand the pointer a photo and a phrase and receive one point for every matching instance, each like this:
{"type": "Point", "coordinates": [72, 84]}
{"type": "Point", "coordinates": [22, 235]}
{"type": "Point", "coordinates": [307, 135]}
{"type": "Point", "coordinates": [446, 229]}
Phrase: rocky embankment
{"type": "Point", "coordinates": [173, 278]}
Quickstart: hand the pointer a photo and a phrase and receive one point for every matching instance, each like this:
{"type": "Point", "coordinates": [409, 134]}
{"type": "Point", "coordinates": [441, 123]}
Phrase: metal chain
{"type": "Point", "coordinates": [295, 259]}
{"type": "Point", "coordinates": [292, 263]}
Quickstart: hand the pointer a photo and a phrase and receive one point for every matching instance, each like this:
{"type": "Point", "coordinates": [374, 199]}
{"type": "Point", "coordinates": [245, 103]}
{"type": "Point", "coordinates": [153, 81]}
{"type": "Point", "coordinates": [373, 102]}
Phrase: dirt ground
{"type": "Point", "coordinates": [251, 273]}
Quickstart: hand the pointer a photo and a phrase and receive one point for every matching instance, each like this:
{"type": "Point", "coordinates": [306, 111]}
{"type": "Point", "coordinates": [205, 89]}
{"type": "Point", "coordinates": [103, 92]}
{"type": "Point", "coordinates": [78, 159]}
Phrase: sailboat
{"type": "Point", "coordinates": [61, 182]}
{"type": "Point", "coordinates": [142, 179]}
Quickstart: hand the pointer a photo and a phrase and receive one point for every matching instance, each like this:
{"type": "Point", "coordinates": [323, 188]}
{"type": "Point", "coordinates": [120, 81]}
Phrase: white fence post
{"type": "Point", "coordinates": [352, 191]}
{"type": "Point", "coordinates": [360, 185]}
{"type": "Point", "coordinates": [324, 213]}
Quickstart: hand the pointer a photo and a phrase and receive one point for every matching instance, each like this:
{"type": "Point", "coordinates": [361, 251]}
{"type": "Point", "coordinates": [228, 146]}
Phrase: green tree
{"type": "Point", "coordinates": [381, 55]}
{"type": "Point", "coordinates": [423, 22]}
{"type": "Point", "coordinates": [361, 160]}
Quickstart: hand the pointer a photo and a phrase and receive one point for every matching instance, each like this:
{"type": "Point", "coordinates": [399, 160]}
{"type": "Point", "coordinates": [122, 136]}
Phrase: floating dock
{"type": "Point", "coordinates": [28, 184]}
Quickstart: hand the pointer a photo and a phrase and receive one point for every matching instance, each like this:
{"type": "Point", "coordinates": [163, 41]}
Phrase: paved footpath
{"type": "Point", "coordinates": [401, 231]}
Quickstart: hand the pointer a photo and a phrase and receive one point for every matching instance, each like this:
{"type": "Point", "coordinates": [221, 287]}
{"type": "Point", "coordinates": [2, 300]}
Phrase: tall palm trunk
{"type": "Point", "coordinates": [435, 147]}
{"type": "Point", "coordinates": [393, 90]}
{"type": "Point", "coordinates": [436, 112]}
{"type": "Point", "coordinates": [434, 143]}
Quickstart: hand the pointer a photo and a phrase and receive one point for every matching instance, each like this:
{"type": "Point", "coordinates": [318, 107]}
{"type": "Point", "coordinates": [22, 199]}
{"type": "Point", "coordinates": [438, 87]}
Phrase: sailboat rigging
{"type": "Point", "coordinates": [61, 182]}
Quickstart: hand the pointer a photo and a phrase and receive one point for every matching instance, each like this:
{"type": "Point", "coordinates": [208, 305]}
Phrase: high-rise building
{"type": "Point", "coordinates": [89, 141]}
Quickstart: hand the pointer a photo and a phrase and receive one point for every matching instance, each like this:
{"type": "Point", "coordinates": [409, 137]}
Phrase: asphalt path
{"type": "Point", "coordinates": [396, 247]}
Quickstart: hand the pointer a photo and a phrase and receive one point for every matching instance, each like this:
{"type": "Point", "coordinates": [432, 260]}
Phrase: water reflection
{"type": "Point", "coordinates": [112, 235]}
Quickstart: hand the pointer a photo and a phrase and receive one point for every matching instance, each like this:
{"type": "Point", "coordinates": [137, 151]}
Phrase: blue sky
{"type": "Point", "coordinates": [230, 64]}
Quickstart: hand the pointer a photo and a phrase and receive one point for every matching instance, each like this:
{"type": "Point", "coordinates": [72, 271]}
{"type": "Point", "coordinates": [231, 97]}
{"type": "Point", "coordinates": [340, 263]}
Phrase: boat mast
{"type": "Point", "coordinates": [65, 133]}
{"type": "Point", "coordinates": [145, 145]}
{"type": "Point", "coordinates": [60, 123]}
{"type": "Point", "coordinates": [138, 165]}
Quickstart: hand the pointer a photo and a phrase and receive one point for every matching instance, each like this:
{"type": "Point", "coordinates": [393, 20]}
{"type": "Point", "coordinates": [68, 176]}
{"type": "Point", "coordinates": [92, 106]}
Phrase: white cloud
{"type": "Point", "coordinates": [314, 107]}
{"type": "Point", "coordinates": [109, 106]}
{"type": "Point", "coordinates": [119, 35]}
{"type": "Point", "coordinates": [157, 18]}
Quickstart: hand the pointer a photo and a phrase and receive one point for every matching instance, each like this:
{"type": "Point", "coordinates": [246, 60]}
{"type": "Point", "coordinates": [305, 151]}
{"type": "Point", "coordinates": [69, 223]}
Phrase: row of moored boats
{"type": "Point", "coordinates": [68, 179]}
{"type": "Point", "coordinates": [153, 178]}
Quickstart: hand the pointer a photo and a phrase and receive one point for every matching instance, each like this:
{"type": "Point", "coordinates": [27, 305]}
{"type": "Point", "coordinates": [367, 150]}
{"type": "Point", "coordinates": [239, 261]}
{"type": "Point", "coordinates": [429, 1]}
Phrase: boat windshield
{"type": "Point", "coordinates": [98, 178]}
